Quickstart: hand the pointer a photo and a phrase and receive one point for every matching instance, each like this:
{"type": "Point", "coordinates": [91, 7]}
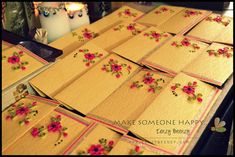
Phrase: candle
{"type": "Point", "coordinates": [54, 19]}
{"type": "Point", "coordinates": [77, 13]}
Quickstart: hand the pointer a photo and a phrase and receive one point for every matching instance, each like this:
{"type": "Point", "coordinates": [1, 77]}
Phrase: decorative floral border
{"type": "Point", "coordinates": [54, 127]}
{"type": "Point", "coordinates": [86, 35]}
{"type": "Point", "coordinates": [152, 83]}
{"type": "Point", "coordinates": [131, 27]}
{"type": "Point", "coordinates": [115, 68]}
{"type": "Point", "coordinates": [16, 62]}
{"type": "Point", "coordinates": [22, 110]}
{"type": "Point", "coordinates": [224, 52]}
{"type": "Point", "coordinates": [126, 13]}
{"type": "Point", "coordinates": [189, 13]}
{"type": "Point", "coordinates": [164, 9]}
{"type": "Point", "coordinates": [218, 19]}
{"type": "Point", "coordinates": [189, 89]}
{"type": "Point", "coordinates": [156, 36]}
{"type": "Point", "coordinates": [89, 57]}
{"type": "Point", "coordinates": [136, 151]}
{"type": "Point", "coordinates": [103, 148]}
{"type": "Point", "coordinates": [186, 43]}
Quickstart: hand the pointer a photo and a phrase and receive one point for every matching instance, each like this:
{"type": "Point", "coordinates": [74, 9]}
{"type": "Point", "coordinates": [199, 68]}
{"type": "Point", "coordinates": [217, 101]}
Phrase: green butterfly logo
{"type": "Point", "coordinates": [219, 125]}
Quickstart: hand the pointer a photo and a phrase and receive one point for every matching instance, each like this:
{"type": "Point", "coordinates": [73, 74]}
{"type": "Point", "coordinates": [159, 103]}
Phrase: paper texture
{"type": "Point", "coordinates": [95, 85]}
{"type": "Point", "coordinates": [118, 34]}
{"type": "Point", "coordinates": [12, 129]}
{"type": "Point", "coordinates": [6, 45]}
{"type": "Point", "coordinates": [210, 27]}
{"type": "Point", "coordinates": [136, 48]}
{"type": "Point", "coordinates": [185, 102]}
{"type": "Point", "coordinates": [125, 13]}
{"type": "Point", "coordinates": [226, 36]}
{"type": "Point", "coordinates": [58, 76]}
{"type": "Point", "coordinates": [160, 15]}
{"type": "Point", "coordinates": [17, 63]}
{"type": "Point", "coordinates": [54, 142]}
{"type": "Point", "coordinates": [128, 145]}
{"type": "Point", "coordinates": [75, 39]}
{"type": "Point", "coordinates": [175, 54]}
{"type": "Point", "coordinates": [138, 93]}
{"type": "Point", "coordinates": [183, 21]}
{"type": "Point", "coordinates": [214, 65]}
{"type": "Point", "coordinates": [95, 138]}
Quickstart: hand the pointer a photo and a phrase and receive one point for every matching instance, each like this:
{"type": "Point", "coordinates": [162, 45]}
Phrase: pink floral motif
{"type": "Point", "coordinates": [103, 148]}
{"type": "Point", "coordinates": [115, 68]}
{"type": "Point", "coordinates": [225, 52]}
{"type": "Point", "coordinates": [156, 36]}
{"type": "Point", "coordinates": [136, 151]}
{"type": "Point", "coordinates": [16, 62]}
{"type": "Point", "coordinates": [189, 13]}
{"type": "Point", "coordinates": [219, 19]}
{"type": "Point", "coordinates": [152, 83]}
{"type": "Point", "coordinates": [86, 35]}
{"type": "Point", "coordinates": [189, 89]}
{"type": "Point", "coordinates": [38, 132]}
{"type": "Point", "coordinates": [127, 13]}
{"type": "Point", "coordinates": [164, 9]}
{"type": "Point", "coordinates": [27, 111]}
{"type": "Point", "coordinates": [89, 56]}
{"type": "Point", "coordinates": [187, 43]}
{"type": "Point", "coordinates": [131, 27]}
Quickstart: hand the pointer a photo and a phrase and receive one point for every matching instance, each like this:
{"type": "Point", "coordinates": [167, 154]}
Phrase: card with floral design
{"type": "Point", "coordinates": [136, 48]}
{"type": "Point", "coordinates": [118, 34]}
{"type": "Point", "coordinates": [226, 36]}
{"type": "Point", "coordinates": [128, 145]}
{"type": "Point", "coordinates": [184, 20]}
{"type": "Point", "coordinates": [98, 140]}
{"type": "Point", "coordinates": [89, 90]}
{"type": "Point", "coordinates": [214, 65]}
{"type": "Point", "coordinates": [182, 105]}
{"type": "Point", "coordinates": [58, 76]}
{"type": "Point", "coordinates": [17, 63]}
{"type": "Point", "coordinates": [22, 115]}
{"type": "Point", "coordinates": [175, 54]}
{"type": "Point", "coordinates": [138, 92]}
{"type": "Point", "coordinates": [125, 13]}
{"type": "Point", "coordinates": [6, 45]}
{"type": "Point", "coordinates": [54, 134]}
{"type": "Point", "coordinates": [210, 27]}
{"type": "Point", "coordinates": [159, 15]}
{"type": "Point", "coordinates": [74, 39]}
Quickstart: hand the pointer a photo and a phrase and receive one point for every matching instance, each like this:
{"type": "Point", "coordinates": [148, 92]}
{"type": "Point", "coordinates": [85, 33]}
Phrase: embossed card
{"type": "Point", "coordinates": [171, 121]}
{"type": "Point", "coordinates": [136, 48]}
{"type": "Point", "coordinates": [214, 65]}
{"type": "Point", "coordinates": [89, 90]}
{"type": "Point", "coordinates": [175, 54]}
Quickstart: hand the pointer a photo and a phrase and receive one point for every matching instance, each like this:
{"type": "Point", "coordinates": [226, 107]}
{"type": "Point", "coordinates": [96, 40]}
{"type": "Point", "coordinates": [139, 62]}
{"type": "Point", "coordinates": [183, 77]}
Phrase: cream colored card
{"type": "Point", "coordinates": [6, 45]}
{"type": "Point", "coordinates": [183, 21]}
{"type": "Point", "coordinates": [22, 115]}
{"type": "Point", "coordinates": [98, 140]}
{"type": "Point", "coordinates": [51, 136]}
{"type": "Point", "coordinates": [136, 48]}
{"type": "Point", "coordinates": [226, 36]}
{"type": "Point", "coordinates": [175, 54]}
{"type": "Point", "coordinates": [86, 92]}
{"type": "Point", "coordinates": [118, 34]}
{"type": "Point", "coordinates": [159, 15]}
{"type": "Point", "coordinates": [17, 63]}
{"type": "Point", "coordinates": [182, 106]}
{"type": "Point", "coordinates": [75, 39]}
{"type": "Point", "coordinates": [210, 27]}
{"type": "Point", "coordinates": [214, 65]}
{"type": "Point", "coordinates": [128, 145]}
{"type": "Point", "coordinates": [125, 13]}
{"type": "Point", "coordinates": [58, 76]}
{"type": "Point", "coordinates": [138, 93]}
